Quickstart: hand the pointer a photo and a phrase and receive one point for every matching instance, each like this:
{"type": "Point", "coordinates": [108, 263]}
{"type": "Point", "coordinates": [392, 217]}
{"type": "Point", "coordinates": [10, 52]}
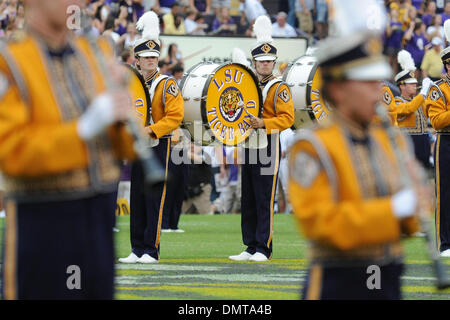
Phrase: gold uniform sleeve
{"type": "Point", "coordinates": [29, 149]}
{"type": "Point", "coordinates": [409, 107]}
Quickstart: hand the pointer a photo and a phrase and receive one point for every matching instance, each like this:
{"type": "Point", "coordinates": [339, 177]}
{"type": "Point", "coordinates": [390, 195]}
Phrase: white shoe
{"type": "Point", "coordinates": [132, 258]}
{"type": "Point", "coordinates": [166, 230]}
{"type": "Point", "coordinates": [243, 256]}
{"type": "Point", "coordinates": [258, 257]}
{"type": "Point", "coordinates": [178, 230]}
{"type": "Point", "coordinates": [446, 253]}
{"type": "Point", "coordinates": [146, 259]}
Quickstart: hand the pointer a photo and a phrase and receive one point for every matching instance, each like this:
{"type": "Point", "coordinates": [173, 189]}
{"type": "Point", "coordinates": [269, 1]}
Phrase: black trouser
{"type": "Point", "coordinates": [259, 182]}
{"type": "Point", "coordinates": [442, 175]}
{"type": "Point", "coordinates": [352, 283]}
{"type": "Point", "coordinates": [60, 250]}
{"type": "Point", "coordinates": [175, 187]}
{"type": "Point", "coordinates": [147, 208]}
{"type": "Point", "coordinates": [422, 149]}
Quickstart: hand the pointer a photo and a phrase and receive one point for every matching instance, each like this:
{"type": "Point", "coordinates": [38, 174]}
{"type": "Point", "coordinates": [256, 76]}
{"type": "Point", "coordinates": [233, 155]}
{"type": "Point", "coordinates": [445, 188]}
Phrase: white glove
{"type": "Point", "coordinates": [404, 203]}
{"type": "Point", "coordinates": [426, 84]}
{"type": "Point", "coordinates": [98, 116]}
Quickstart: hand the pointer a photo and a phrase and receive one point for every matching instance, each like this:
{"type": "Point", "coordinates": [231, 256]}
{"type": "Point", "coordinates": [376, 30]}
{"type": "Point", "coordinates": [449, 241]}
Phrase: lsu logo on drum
{"type": "Point", "coordinates": [232, 98]}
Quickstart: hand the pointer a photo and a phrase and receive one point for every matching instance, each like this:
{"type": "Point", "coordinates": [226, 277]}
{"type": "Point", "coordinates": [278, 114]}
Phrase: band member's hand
{"type": "Point", "coordinates": [404, 203]}
{"type": "Point", "coordinates": [150, 132]}
{"type": "Point", "coordinates": [256, 122]}
{"type": "Point", "coordinates": [103, 111]}
{"type": "Point", "coordinates": [426, 84]}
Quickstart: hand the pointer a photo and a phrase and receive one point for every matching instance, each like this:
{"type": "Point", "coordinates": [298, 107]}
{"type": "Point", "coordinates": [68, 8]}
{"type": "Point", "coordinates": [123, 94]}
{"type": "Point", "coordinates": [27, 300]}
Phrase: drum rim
{"type": "Point", "coordinates": [208, 82]}
{"type": "Point", "coordinates": [310, 78]}
{"type": "Point", "coordinates": [147, 94]}
{"type": "Point", "coordinates": [182, 84]}
{"type": "Point", "coordinates": [308, 87]}
{"type": "Point", "coordinates": [186, 74]}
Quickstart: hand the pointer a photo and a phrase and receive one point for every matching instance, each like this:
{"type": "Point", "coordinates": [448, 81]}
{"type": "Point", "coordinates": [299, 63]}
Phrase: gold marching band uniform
{"type": "Point", "coordinates": [344, 177]}
{"type": "Point", "coordinates": [437, 104]}
{"type": "Point", "coordinates": [411, 114]}
{"type": "Point", "coordinates": [260, 169]}
{"type": "Point", "coordinates": [60, 189]}
{"type": "Point", "coordinates": [411, 110]}
{"type": "Point", "coordinates": [342, 200]}
{"type": "Point", "coordinates": [53, 111]}
{"type": "Point", "coordinates": [167, 110]}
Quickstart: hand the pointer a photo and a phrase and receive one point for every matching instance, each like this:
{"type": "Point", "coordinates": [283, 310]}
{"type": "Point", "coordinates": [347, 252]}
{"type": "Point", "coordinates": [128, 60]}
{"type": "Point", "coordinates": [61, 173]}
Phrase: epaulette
{"type": "Point", "coordinates": [438, 91]}
{"type": "Point", "coordinates": [325, 159]}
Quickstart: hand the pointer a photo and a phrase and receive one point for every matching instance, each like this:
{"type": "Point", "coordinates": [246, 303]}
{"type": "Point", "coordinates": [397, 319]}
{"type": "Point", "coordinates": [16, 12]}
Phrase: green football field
{"type": "Point", "coordinates": [194, 264]}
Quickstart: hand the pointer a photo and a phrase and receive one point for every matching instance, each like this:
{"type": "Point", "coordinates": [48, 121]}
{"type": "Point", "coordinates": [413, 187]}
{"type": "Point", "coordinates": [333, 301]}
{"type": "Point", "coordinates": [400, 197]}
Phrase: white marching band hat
{"type": "Point", "coordinates": [408, 67]}
{"type": "Point", "coordinates": [264, 49]}
{"type": "Point", "coordinates": [149, 44]}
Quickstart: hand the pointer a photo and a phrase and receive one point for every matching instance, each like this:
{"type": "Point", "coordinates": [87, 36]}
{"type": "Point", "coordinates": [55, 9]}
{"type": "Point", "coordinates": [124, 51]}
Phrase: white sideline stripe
{"type": "Point", "coordinates": [418, 278]}
{"type": "Point", "coordinates": [167, 267]}
{"type": "Point", "coordinates": [219, 277]}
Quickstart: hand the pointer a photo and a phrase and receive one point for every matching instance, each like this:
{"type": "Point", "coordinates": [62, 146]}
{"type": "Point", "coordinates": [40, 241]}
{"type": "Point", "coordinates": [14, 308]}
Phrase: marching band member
{"type": "Point", "coordinates": [167, 110]}
{"type": "Point", "coordinates": [344, 177]}
{"type": "Point", "coordinates": [60, 138]}
{"type": "Point", "coordinates": [437, 104]}
{"type": "Point", "coordinates": [410, 112]}
{"type": "Point", "coordinates": [260, 169]}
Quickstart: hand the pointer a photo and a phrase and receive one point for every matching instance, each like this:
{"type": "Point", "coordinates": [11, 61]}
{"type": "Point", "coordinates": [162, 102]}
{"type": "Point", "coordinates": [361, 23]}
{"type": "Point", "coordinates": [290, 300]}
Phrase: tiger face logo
{"type": "Point", "coordinates": [230, 104]}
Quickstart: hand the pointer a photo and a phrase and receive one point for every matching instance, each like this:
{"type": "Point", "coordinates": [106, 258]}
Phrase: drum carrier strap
{"type": "Point", "coordinates": [155, 84]}
{"type": "Point", "coordinates": [266, 91]}
{"type": "Point", "coordinates": [152, 89]}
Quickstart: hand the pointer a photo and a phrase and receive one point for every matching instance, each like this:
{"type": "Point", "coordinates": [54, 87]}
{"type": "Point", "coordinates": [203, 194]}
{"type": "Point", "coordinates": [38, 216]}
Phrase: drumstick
{"type": "Point", "coordinates": [241, 105]}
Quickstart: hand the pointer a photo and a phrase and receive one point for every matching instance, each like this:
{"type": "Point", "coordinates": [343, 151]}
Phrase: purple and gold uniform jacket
{"type": "Point", "coordinates": [42, 95]}
{"type": "Point", "coordinates": [167, 106]}
{"type": "Point", "coordinates": [340, 185]}
{"type": "Point", "coordinates": [411, 115]}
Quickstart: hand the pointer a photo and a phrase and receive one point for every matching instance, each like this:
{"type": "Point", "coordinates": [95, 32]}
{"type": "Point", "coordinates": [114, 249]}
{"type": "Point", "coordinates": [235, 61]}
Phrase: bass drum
{"type": "Point", "coordinates": [219, 100]}
{"type": "Point", "coordinates": [304, 81]}
{"type": "Point", "coordinates": [141, 101]}
{"type": "Point", "coordinates": [140, 96]}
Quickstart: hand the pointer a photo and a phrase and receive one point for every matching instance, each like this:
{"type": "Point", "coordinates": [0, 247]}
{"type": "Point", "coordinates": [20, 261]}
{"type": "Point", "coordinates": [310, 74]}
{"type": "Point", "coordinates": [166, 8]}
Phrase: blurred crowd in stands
{"type": "Point", "coordinates": [417, 27]}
